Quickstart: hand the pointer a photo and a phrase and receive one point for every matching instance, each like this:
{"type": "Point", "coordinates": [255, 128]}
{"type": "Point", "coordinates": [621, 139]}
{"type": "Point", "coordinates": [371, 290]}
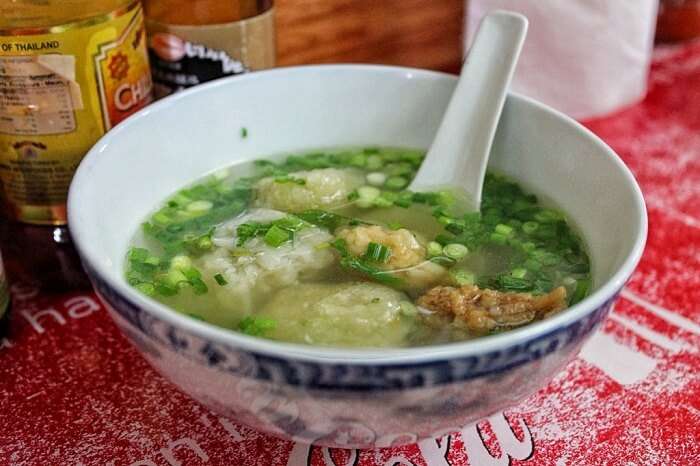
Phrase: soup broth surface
{"type": "Point", "coordinates": [329, 248]}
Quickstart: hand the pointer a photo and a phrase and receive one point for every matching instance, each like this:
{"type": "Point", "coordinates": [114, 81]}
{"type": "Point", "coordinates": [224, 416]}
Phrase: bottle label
{"type": "Point", "coordinates": [184, 56]}
{"type": "Point", "coordinates": [60, 92]}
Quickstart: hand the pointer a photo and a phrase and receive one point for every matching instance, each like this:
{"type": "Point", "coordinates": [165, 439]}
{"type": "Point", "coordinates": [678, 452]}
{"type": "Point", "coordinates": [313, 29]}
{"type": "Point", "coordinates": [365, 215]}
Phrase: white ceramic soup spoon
{"type": "Point", "coordinates": [459, 153]}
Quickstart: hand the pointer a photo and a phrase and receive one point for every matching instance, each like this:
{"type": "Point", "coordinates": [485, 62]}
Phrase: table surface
{"type": "Point", "coordinates": [73, 391]}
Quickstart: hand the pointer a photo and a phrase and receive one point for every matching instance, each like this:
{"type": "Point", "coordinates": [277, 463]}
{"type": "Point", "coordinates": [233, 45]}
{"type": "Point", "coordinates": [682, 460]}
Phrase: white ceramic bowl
{"type": "Point", "coordinates": [337, 397]}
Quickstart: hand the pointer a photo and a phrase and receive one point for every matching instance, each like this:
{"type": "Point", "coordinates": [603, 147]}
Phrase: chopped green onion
{"type": "Point", "coordinates": [404, 199]}
{"type": "Point", "coordinates": [529, 246]}
{"type": "Point", "coordinates": [434, 249]}
{"type": "Point", "coordinates": [358, 160]}
{"type": "Point", "coordinates": [283, 227]}
{"type": "Point", "coordinates": [530, 227]}
{"type": "Point", "coordinates": [199, 206]}
{"type": "Point", "coordinates": [510, 283]}
{"type": "Point", "coordinates": [582, 287]}
{"type": "Point", "coordinates": [518, 273]}
{"type": "Point", "coordinates": [503, 229]}
{"type": "Point", "coordinates": [463, 277]}
{"type": "Point", "coordinates": [359, 265]}
{"type": "Point", "coordinates": [377, 253]}
{"type": "Point", "coordinates": [138, 254]}
{"type": "Point", "coordinates": [244, 132]}
{"type": "Point", "coordinates": [442, 260]}
{"type": "Point", "coordinates": [220, 279]}
{"type": "Point", "coordinates": [455, 227]}
{"type": "Point", "coordinates": [290, 222]}
{"type": "Point", "coordinates": [394, 225]}
{"type": "Point", "coordinates": [161, 218]}
{"type": "Point", "coordinates": [532, 264]}
{"type": "Point", "coordinates": [376, 178]}
{"type": "Point", "coordinates": [249, 230]}
{"type": "Point", "coordinates": [204, 243]}
{"type": "Point", "coordinates": [191, 273]}
{"type": "Point", "coordinates": [549, 215]}
{"type": "Point", "coordinates": [175, 278]}
{"type": "Point", "coordinates": [455, 251]}
{"type": "Point", "coordinates": [498, 238]}
{"type": "Point", "coordinates": [152, 260]}
{"type": "Point", "coordinates": [568, 281]}
{"type": "Point", "coordinates": [277, 236]}
{"type": "Point", "coordinates": [396, 182]}
{"type": "Point", "coordinates": [374, 162]}
{"type": "Point", "coordinates": [256, 326]}
{"type": "Point", "coordinates": [543, 285]}
{"type": "Point", "coordinates": [165, 289]}
{"type": "Point", "coordinates": [382, 201]}
{"type": "Point", "coordinates": [180, 262]}
{"type": "Point", "coordinates": [367, 195]}
{"type": "Point", "coordinates": [199, 286]}
{"type": "Point", "coordinates": [146, 288]}
{"type": "Point", "coordinates": [368, 192]}
{"type": "Point", "coordinates": [179, 200]}
{"type": "Point", "coordinates": [324, 219]}
{"type": "Point", "coordinates": [545, 257]}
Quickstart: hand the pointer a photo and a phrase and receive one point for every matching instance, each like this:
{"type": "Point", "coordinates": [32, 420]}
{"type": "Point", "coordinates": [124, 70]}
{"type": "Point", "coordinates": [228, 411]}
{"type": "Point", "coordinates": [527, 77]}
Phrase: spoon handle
{"type": "Point", "coordinates": [460, 150]}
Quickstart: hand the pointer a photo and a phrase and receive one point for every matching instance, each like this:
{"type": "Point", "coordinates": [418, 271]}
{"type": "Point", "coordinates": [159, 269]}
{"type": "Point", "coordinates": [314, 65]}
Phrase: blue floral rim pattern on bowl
{"type": "Point", "coordinates": [335, 376]}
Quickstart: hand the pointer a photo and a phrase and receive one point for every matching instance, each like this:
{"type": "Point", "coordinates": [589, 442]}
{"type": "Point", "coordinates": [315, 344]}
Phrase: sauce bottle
{"type": "Point", "coordinates": [195, 41]}
{"type": "Point", "coordinates": [69, 71]}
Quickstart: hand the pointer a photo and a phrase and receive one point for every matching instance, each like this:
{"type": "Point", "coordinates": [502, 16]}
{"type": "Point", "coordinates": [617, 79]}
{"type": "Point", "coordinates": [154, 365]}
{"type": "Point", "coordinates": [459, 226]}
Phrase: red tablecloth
{"type": "Point", "coordinates": [73, 391]}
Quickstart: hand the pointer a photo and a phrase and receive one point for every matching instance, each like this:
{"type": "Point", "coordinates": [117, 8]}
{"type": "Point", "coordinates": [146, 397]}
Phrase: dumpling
{"type": "Point", "coordinates": [256, 269]}
{"type": "Point", "coordinates": [316, 189]}
{"type": "Point", "coordinates": [347, 314]}
{"type": "Point", "coordinates": [408, 255]}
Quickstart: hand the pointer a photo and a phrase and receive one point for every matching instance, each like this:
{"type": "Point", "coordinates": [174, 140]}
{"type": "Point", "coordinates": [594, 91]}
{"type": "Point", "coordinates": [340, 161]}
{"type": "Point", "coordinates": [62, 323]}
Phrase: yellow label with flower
{"type": "Point", "coordinates": [60, 91]}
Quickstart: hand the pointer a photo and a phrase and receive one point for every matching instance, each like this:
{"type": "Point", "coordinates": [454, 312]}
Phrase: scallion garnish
{"type": "Point", "coordinates": [434, 249]}
{"type": "Point", "coordinates": [220, 279]}
{"type": "Point", "coordinates": [396, 182]}
{"type": "Point", "coordinates": [377, 253]}
{"type": "Point", "coordinates": [256, 326]}
{"type": "Point", "coordinates": [277, 236]}
{"type": "Point", "coordinates": [455, 251]}
{"type": "Point", "coordinates": [362, 266]}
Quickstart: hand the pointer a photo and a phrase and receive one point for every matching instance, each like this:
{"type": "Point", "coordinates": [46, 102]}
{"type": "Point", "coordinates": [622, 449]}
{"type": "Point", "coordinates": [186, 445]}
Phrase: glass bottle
{"type": "Point", "coordinates": [69, 71]}
{"type": "Point", "coordinates": [195, 41]}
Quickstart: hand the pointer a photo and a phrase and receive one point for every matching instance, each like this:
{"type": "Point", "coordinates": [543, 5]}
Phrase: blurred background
{"type": "Point", "coordinates": [420, 33]}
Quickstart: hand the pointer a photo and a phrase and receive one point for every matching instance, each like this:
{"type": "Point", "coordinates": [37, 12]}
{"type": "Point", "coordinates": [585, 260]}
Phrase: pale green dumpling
{"type": "Point", "coordinates": [348, 314]}
{"type": "Point", "coordinates": [251, 272]}
{"type": "Point", "coordinates": [316, 189]}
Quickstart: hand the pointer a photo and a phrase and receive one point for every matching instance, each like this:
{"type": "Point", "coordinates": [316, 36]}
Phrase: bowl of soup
{"type": "Point", "coordinates": [256, 240]}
